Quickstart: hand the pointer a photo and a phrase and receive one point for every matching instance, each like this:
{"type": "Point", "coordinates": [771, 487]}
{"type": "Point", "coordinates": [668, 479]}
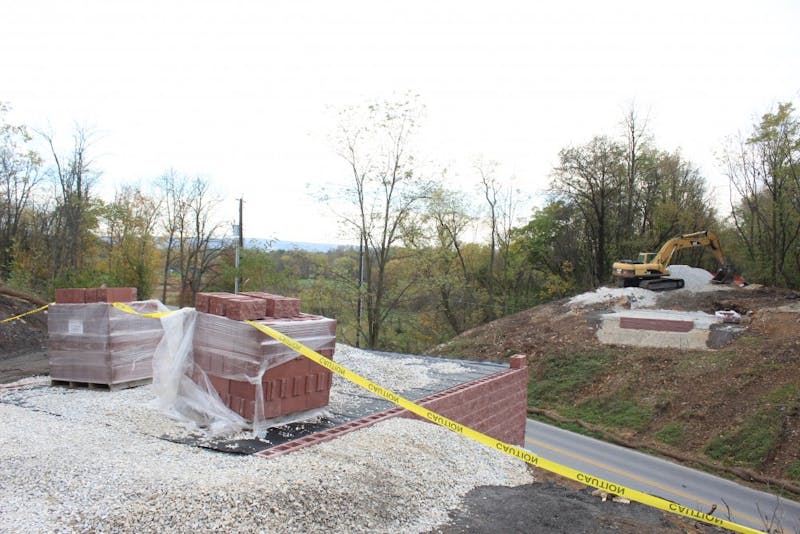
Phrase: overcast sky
{"type": "Point", "coordinates": [244, 93]}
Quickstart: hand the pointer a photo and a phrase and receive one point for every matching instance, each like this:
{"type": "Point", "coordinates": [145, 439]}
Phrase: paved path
{"type": "Point", "coordinates": [662, 478]}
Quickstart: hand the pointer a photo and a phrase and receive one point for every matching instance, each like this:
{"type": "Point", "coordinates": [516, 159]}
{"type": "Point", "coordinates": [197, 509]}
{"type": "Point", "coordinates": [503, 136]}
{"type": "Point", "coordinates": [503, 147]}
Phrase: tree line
{"type": "Point", "coordinates": [417, 277]}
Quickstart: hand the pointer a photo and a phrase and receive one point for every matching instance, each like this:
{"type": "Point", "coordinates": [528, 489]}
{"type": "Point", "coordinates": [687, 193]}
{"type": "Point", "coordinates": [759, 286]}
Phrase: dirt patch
{"type": "Point", "coordinates": [549, 508]}
{"type": "Point", "coordinates": [535, 332]}
{"type": "Point", "coordinates": [23, 343]}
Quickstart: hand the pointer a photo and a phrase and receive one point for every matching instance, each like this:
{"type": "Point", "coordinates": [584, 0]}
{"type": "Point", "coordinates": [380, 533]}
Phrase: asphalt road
{"type": "Point", "coordinates": [662, 478]}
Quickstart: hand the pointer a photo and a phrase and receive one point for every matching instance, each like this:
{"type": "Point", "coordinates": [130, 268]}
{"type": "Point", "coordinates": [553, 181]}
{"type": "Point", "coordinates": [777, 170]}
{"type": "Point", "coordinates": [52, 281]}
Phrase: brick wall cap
{"type": "Point", "coordinates": [518, 361]}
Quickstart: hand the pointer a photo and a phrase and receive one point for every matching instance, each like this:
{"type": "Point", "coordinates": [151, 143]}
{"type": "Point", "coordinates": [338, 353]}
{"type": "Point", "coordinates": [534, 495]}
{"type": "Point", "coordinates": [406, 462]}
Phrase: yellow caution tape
{"type": "Point", "coordinates": [21, 315]}
{"type": "Point", "coordinates": [511, 450]}
{"type": "Point", "coordinates": [118, 305]}
{"type": "Point", "coordinates": [128, 309]}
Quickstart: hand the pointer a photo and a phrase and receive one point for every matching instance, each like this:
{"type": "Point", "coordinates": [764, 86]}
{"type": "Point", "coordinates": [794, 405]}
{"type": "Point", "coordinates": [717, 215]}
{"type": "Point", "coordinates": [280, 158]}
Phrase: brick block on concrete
{"type": "Point", "coordinates": [506, 424]}
{"type": "Point", "coordinates": [659, 325]}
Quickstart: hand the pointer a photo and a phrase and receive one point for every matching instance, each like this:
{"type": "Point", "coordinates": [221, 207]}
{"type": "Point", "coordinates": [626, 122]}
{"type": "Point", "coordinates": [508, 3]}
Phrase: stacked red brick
{"type": "Point", "coordinates": [91, 295]}
{"type": "Point", "coordinates": [91, 342]}
{"type": "Point", "coordinates": [255, 376]}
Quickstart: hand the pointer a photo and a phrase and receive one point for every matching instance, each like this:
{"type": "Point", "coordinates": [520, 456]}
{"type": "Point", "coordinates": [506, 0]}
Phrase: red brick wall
{"type": "Point", "coordinates": [661, 325]}
{"type": "Point", "coordinates": [496, 405]}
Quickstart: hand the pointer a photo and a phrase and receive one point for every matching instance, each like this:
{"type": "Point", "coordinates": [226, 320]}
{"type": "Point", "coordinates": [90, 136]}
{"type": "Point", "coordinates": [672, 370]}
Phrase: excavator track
{"type": "Point", "coordinates": [662, 284]}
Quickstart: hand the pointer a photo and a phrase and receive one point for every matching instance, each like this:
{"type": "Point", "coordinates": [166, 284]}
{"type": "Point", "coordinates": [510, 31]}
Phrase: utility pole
{"type": "Point", "coordinates": [239, 245]}
{"type": "Point", "coordinates": [360, 282]}
{"type": "Point", "coordinates": [241, 232]}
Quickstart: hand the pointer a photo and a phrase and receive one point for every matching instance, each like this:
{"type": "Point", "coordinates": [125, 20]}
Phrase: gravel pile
{"type": "Point", "coordinates": [85, 460]}
{"type": "Point", "coordinates": [695, 280]}
{"type": "Point", "coordinates": [622, 297]}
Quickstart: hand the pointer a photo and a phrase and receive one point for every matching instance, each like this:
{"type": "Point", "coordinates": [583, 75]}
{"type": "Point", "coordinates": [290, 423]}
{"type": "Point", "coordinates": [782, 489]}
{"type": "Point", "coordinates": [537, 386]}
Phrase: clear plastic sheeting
{"type": "Point", "coordinates": [221, 376]}
{"type": "Point", "coordinates": [179, 396]}
{"type": "Point", "coordinates": [99, 344]}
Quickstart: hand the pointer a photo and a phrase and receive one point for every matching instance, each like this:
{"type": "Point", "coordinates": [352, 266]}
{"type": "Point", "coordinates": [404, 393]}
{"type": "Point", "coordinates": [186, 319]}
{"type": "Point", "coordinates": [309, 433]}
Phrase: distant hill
{"type": "Point", "coordinates": [277, 244]}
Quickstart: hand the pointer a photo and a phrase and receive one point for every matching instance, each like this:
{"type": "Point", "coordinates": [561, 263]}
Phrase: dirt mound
{"type": "Point", "coordinates": [550, 508]}
{"type": "Point", "coordinates": [699, 402]}
{"type": "Point", "coordinates": [23, 342]}
{"type": "Point", "coordinates": [533, 332]}
{"type": "Point", "coordinates": [24, 334]}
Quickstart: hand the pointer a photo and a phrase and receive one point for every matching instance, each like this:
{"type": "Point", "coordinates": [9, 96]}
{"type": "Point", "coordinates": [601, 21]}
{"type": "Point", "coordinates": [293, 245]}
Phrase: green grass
{"type": "Point", "coordinates": [671, 434]}
{"type": "Point", "coordinates": [561, 376]}
{"type": "Point", "coordinates": [566, 373]}
{"type": "Point", "coordinates": [784, 395]}
{"type": "Point", "coordinates": [613, 412]}
{"type": "Point", "coordinates": [793, 471]}
{"type": "Point", "coordinates": [751, 443]}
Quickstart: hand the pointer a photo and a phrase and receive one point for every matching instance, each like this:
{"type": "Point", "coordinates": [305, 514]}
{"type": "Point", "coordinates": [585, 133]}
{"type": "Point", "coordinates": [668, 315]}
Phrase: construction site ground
{"type": "Point", "coordinates": [702, 393]}
{"type": "Point", "coordinates": [705, 393]}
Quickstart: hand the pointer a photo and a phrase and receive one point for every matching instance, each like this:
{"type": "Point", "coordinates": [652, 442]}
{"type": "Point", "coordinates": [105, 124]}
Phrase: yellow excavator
{"type": "Point", "coordinates": [651, 269]}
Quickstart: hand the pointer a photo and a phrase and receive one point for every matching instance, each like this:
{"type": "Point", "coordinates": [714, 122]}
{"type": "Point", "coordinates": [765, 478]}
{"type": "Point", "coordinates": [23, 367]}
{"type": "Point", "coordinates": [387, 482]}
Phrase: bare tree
{"type": "Point", "coordinates": [375, 141]}
{"type": "Point", "coordinates": [589, 177]}
{"type": "Point", "coordinates": [193, 236]}
{"type": "Point", "coordinates": [19, 178]}
{"type": "Point", "coordinates": [74, 177]}
{"type": "Point", "coordinates": [173, 205]}
{"type": "Point", "coordinates": [199, 253]}
{"type": "Point", "coordinates": [490, 188]}
{"type": "Point", "coordinates": [636, 137]}
{"type": "Point", "coordinates": [764, 171]}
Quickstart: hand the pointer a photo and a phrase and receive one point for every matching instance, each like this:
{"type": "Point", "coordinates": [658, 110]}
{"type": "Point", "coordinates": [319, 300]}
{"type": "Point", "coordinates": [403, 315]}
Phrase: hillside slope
{"type": "Point", "coordinates": [738, 405]}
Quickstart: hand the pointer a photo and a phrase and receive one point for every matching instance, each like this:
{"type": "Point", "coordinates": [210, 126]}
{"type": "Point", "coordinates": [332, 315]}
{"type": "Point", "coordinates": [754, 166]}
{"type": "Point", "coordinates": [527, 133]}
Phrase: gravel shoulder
{"type": "Point", "coordinates": [88, 460]}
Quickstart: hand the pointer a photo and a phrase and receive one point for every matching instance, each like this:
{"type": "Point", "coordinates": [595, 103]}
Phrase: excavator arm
{"type": "Point", "coordinates": [698, 239]}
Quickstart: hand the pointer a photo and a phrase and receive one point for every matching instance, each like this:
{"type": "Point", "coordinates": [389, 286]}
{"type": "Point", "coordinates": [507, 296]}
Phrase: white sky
{"type": "Point", "coordinates": [244, 92]}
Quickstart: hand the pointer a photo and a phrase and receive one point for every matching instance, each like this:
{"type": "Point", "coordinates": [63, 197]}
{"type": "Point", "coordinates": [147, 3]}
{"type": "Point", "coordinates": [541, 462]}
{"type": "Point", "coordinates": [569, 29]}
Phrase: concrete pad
{"type": "Point", "coordinates": [657, 328]}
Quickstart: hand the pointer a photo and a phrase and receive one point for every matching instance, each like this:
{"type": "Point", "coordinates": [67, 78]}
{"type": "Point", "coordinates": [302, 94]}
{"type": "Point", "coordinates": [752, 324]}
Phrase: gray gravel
{"type": "Point", "coordinates": [86, 460]}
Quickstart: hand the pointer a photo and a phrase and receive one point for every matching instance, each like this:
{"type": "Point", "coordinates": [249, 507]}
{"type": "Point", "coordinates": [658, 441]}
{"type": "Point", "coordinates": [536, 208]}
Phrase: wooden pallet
{"type": "Point", "coordinates": [105, 387]}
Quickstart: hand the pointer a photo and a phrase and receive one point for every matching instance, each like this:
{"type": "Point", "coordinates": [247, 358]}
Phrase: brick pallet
{"type": "Point", "coordinates": [255, 376]}
{"type": "Point", "coordinates": [97, 345]}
